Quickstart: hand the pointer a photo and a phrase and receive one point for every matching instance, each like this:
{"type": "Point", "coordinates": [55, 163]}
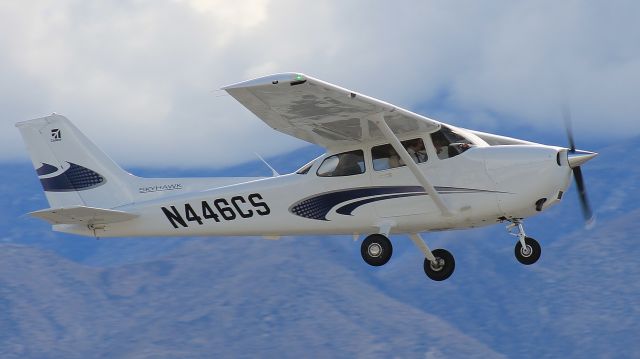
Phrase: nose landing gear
{"type": "Point", "coordinates": [527, 249]}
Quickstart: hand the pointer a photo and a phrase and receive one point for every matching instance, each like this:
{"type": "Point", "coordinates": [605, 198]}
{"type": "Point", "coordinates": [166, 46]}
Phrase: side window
{"type": "Point", "coordinates": [448, 143]}
{"type": "Point", "coordinates": [385, 156]}
{"type": "Point", "coordinates": [343, 164]}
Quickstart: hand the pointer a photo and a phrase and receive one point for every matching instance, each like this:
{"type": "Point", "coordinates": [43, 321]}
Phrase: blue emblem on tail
{"type": "Point", "coordinates": [74, 178]}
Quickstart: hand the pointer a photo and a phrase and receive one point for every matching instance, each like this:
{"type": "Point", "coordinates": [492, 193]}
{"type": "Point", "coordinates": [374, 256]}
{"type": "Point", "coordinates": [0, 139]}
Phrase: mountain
{"type": "Point", "coordinates": [212, 298]}
{"type": "Point", "coordinates": [65, 296]}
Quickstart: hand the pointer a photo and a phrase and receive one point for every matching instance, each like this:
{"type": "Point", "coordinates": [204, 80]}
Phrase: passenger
{"type": "Point", "coordinates": [394, 160]}
{"type": "Point", "coordinates": [416, 150]}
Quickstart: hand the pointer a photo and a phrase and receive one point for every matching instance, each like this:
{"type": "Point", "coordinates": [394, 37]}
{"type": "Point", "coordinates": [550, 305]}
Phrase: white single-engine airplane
{"type": "Point", "coordinates": [386, 170]}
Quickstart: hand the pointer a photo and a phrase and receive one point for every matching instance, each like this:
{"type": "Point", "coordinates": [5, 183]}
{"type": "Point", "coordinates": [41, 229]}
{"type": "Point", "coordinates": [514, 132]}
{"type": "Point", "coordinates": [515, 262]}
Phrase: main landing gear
{"type": "Point", "coordinates": [439, 264]}
{"type": "Point", "coordinates": [376, 250]}
{"type": "Point", "coordinates": [527, 249]}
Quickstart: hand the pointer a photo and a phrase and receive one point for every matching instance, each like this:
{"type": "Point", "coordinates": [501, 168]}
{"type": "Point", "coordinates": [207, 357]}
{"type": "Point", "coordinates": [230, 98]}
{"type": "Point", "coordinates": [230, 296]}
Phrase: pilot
{"type": "Point", "coordinates": [441, 145]}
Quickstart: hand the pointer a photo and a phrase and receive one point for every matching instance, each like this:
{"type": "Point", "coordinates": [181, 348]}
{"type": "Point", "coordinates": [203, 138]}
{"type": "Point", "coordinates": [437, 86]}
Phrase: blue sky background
{"type": "Point", "coordinates": [140, 78]}
{"type": "Point", "coordinates": [148, 72]}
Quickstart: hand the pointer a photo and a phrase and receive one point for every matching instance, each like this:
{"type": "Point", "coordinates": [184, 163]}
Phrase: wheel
{"type": "Point", "coordinates": [444, 267]}
{"type": "Point", "coordinates": [376, 250]}
{"type": "Point", "coordinates": [529, 254]}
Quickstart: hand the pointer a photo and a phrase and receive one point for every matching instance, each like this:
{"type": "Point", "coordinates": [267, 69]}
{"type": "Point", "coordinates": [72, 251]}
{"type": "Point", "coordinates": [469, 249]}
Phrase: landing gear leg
{"type": "Point", "coordinates": [527, 250]}
{"type": "Point", "coordinates": [439, 264]}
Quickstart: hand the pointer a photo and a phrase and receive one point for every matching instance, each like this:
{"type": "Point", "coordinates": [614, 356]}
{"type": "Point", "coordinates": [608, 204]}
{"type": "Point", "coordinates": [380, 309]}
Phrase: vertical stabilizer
{"type": "Point", "coordinates": [71, 169]}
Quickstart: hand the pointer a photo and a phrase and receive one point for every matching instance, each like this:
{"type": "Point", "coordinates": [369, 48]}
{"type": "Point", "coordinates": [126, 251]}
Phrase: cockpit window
{"type": "Point", "coordinates": [448, 143]}
{"type": "Point", "coordinates": [343, 164]}
{"type": "Point", "coordinates": [385, 156]}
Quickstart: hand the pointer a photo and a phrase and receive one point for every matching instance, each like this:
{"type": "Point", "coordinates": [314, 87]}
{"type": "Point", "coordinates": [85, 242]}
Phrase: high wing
{"type": "Point", "coordinates": [323, 113]}
{"type": "Point", "coordinates": [333, 117]}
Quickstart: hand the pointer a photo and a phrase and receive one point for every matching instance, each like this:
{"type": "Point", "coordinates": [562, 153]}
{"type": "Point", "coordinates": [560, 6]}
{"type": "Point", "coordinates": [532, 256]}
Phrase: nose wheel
{"type": "Point", "coordinates": [376, 250]}
{"type": "Point", "coordinates": [527, 249]}
{"type": "Point", "coordinates": [529, 253]}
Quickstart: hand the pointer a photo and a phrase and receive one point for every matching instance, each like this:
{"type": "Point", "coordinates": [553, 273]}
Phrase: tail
{"type": "Point", "coordinates": [72, 170]}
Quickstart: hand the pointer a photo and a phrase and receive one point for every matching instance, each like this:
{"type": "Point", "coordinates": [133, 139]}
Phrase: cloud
{"type": "Point", "coordinates": [140, 77]}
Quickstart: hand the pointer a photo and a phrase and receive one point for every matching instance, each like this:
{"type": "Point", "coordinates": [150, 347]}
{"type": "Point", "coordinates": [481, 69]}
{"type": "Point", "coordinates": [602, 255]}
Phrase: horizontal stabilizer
{"type": "Point", "coordinates": [82, 215]}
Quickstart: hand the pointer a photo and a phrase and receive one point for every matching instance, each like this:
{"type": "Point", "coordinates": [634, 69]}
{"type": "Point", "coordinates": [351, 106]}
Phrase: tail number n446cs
{"type": "Point", "coordinates": [219, 209]}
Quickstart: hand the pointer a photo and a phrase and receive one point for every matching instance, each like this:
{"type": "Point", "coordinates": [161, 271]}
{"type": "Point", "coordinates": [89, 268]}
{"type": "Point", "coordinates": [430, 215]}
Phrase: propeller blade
{"type": "Point", "coordinates": [582, 193]}
{"type": "Point", "coordinates": [576, 158]}
{"type": "Point", "coordinates": [566, 114]}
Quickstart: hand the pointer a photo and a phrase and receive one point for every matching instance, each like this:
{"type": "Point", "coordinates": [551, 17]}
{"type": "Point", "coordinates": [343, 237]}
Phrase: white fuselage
{"type": "Point", "coordinates": [480, 186]}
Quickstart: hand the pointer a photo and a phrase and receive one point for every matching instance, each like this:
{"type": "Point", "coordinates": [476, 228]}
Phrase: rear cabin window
{"type": "Point", "coordinates": [385, 156]}
{"type": "Point", "coordinates": [343, 164]}
{"type": "Point", "coordinates": [448, 143]}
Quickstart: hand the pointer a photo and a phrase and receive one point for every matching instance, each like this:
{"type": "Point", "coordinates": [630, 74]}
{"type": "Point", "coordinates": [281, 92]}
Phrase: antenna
{"type": "Point", "coordinates": [273, 171]}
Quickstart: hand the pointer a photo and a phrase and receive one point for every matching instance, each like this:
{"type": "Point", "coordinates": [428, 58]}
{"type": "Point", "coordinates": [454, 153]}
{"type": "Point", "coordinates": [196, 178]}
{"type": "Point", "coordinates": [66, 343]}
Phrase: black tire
{"type": "Point", "coordinates": [446, 267]}
{"type": "Point", "coordinates": [376, 250]}
{"type": "Point", "coordinates": [530, 257]}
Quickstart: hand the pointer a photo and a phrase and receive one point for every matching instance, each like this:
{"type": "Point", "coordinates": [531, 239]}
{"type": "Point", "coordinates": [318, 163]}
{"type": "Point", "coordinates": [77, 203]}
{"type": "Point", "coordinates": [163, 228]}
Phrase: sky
{"type": "Point", "coordinates": [142, 78]}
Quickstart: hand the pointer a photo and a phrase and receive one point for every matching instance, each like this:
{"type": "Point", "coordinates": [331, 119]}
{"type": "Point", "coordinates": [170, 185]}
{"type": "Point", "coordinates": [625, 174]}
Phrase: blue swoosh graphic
{"type": "Point", "coordinates": [347, 209]}
{"type": "Point", "coordinates": [318, 206]}
{"type": "Point", "coordinates": [75, 178]}
{"type": "Point", "coordinates": [46, 169]}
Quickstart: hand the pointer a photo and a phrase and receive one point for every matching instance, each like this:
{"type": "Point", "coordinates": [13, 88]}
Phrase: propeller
{"type": "Point", "coordinates": [576, 158]}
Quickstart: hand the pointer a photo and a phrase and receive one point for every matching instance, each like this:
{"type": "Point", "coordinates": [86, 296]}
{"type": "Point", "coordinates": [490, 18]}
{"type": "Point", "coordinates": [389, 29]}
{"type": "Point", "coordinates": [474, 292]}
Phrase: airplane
{"type": "Point", "coordinates": [386, 171]}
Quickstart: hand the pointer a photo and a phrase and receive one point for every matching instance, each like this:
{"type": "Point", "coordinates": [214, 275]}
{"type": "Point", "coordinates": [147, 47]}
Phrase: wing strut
{"type": "Point", "coordinates": [378, 119]}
